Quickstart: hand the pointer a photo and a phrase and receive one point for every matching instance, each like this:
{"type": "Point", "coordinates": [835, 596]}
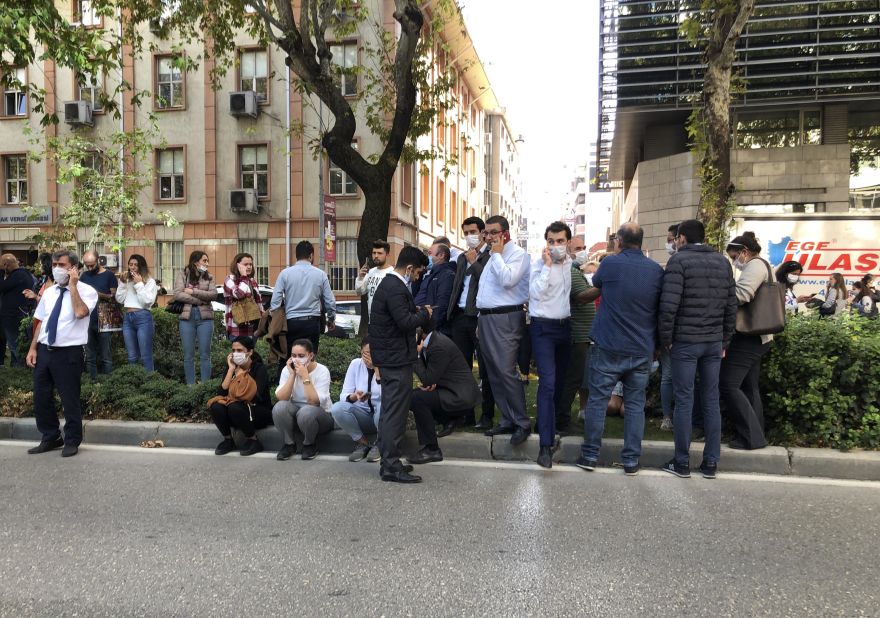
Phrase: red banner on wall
{"type": "Point", "coordinates": [329, 228]}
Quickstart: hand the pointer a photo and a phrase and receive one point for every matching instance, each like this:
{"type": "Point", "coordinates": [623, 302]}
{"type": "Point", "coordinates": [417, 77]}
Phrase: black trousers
{"type": "Point", "coordinates": [59, 369]}
{"type": "Point", "coordinates": [396, 392]}
{"type": "Point", "coordinates": [428, 412]}
{"type": "Point", "coordinates": [305, 328]}
{"type": "Point", "coordinates": [464, 335]}
{"type": "Point", "coordinates": [574, 380]}
{"type": "Point", "coordinates": [740, 391]}
{"type": "Point", "coordinates": [237, 415]}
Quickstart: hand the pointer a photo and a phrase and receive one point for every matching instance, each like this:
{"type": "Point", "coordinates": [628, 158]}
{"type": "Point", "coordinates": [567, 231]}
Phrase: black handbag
{"type": "Point", "coordinates": [175, 307]}
{"type": "Point", "coordinates": [765, 313]}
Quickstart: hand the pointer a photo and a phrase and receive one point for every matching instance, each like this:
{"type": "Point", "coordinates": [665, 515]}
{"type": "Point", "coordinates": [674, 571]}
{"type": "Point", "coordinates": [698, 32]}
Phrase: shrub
{"type": "Point", "coordinates": [821, 383]}
{"type": "Point", "coordinates": [336, 354]}
{"type": "Point", "coordinates": [168, 349]}
{"type": "Point", "coordinates": [17, 403]}
{"type": "Point", "coordinates": [140, 407]}
{"type": "Point", "coordinates": [190, 402]}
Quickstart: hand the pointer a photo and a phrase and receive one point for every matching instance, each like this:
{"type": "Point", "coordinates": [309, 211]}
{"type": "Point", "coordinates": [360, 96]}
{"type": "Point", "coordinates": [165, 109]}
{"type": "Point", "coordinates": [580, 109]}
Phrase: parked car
{"type": "Point", "coordinates": [348, 316]}
{"type": "Point", "coordinates": [220, 305]}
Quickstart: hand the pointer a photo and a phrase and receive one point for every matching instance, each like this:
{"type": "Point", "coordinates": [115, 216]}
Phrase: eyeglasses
{"type": "Point", "coordinates": [492, 232]}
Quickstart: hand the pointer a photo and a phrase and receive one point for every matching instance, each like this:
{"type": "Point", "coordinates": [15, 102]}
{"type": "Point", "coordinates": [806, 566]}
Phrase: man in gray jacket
{"type": "Point", "coordinates": [696, 323]}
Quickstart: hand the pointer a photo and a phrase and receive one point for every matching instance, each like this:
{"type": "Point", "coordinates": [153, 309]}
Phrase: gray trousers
{"type": "Point", "coordinates": [396, 394]}
{"type": "Point", "coordinates": [500, 337]}
{"type": "Point", "coordinates": [299, 422]}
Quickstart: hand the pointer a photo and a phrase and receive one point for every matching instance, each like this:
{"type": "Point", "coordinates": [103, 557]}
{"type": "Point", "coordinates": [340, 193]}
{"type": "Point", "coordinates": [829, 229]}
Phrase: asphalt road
{"type": "Point", "coordinates": [128, 532]}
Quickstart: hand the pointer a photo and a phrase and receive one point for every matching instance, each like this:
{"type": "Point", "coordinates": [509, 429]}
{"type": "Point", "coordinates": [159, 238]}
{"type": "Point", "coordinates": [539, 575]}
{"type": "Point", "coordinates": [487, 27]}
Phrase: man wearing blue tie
{"type": "Point", "coordinates": [56, 354]}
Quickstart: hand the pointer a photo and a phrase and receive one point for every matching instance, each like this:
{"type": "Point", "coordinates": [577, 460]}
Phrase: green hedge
{"type": "Point", "coordinates": [821, 383]}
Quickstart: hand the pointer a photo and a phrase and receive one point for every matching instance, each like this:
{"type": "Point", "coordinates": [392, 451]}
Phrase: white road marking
{"type": "Point", "coordinates": [497, 465]}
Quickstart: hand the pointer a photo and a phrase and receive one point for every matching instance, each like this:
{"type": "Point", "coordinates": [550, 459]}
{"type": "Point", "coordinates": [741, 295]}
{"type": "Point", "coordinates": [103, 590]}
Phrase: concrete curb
{"type": "Point", "coordinates": [860, 465]}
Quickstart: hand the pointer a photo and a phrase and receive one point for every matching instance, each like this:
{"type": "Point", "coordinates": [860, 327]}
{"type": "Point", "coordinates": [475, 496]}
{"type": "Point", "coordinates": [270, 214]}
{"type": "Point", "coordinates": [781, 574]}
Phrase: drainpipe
{"type": "Point", "coordinates": [289, 189]}
{"type": "Point", "coordinates": [121, 127]}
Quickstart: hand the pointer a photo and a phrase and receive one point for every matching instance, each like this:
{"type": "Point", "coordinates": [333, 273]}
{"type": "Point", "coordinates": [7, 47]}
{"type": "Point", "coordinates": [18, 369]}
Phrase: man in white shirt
{"type": "Point", "coordinates": [550, 329]}
{"type": "Point", "coordinates": [56, 354]}
{"type": "Point", "coordinates": [504, 289]}
{"type": "Point", "coordinates": [368, 280]}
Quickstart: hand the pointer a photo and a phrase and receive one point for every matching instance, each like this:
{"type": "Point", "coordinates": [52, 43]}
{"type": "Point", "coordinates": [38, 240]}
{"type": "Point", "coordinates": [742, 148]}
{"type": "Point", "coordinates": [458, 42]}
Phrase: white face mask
{"type": "Point", "coordinates": [239, 358]}
{"type": "Point", "coordinates": [670, 248]}
{"type": "Point", "coordinates": [793, 278]}
{"type": "Point", "coordinates": [581, 256]}
{"type": "Point", "coordinates": [558, 253]}
{"type": "Point", "coordinates": [300, 361]}
{"type": "Point", "coordinates": [472, 241]}
{"type": "Point", "coordinates": [203, 268]}
{"type": "Point", "coordinates": [59, 273]}
{"type": "Point", "coordinates": [739, 264]}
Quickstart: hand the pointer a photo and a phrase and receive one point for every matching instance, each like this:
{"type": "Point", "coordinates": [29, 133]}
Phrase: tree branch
{"type": "Point", "coordinates": [744, 11]}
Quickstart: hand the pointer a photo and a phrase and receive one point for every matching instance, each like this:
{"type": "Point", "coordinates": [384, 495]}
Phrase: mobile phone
{"type": "Point", "coordinates": [506, 236]}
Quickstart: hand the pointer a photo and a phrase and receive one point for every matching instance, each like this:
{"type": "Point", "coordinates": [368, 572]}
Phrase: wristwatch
{"type": "Point", "coordinates": [307, 381]}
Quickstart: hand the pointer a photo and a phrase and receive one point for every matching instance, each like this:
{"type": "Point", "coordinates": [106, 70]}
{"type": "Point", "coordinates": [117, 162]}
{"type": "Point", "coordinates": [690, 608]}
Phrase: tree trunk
{"type": "Point", "coordinates": [374, 226]}
{"type": "Point", "coordinates": [717, 111]}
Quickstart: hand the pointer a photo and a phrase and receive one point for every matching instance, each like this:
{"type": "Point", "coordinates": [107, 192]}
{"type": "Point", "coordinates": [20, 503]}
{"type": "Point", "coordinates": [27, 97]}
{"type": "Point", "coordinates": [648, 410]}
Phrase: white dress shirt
{"type": "Point", "coordinates": [71, 330]}
{"type": "Point", "coordinates": [505, 278]}
{"type": "Point", "coordinates": [549, 289]}
{"type": "Point", "coordinates": [320, 378]}
{"type": "Point", "coordinates": [137, 295]}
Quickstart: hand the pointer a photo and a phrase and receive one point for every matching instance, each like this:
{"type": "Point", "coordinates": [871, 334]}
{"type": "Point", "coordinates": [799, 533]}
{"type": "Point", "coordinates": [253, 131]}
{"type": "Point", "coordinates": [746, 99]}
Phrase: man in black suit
{"type": "Point", "coordinates": [394, 319]}
{"type": "Point", "coordinates": [448, 393]}
{"type": "Point", "coordinates": [461, 315]}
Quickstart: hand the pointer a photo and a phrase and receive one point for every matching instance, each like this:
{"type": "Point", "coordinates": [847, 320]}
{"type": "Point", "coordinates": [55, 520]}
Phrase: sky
{"type": "Point", "coordinates": [543, 65]}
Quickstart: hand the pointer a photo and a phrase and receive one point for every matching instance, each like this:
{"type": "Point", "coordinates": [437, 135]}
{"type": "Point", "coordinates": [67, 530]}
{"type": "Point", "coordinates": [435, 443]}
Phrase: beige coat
{"type": "Point", "coordinates": [202, 295]}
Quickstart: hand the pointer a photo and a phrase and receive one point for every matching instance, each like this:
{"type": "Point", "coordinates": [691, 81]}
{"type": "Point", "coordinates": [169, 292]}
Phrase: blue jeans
{"type": "Point", "coordinates": [97, 348]}
{"type": "Point", "coordinates": [192, 330]}
{"type": "Point", "coordinates": [689, 360]}
{"type": "Point", "coordinates": [138, 330]}
{"type": "Point", "coordinates": [355, 420]}
{"type": "Point", "coordinates": [551, 348]}
{"type": "Point", "coordinates": [607, 368]}
{"type": "Point", "coordinates": [667, 396]}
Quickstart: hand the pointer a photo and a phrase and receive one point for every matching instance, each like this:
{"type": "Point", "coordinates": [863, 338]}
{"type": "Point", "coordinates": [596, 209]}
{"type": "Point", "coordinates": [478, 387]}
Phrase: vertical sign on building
{"type": "Point", "coordinates": [329, 233]}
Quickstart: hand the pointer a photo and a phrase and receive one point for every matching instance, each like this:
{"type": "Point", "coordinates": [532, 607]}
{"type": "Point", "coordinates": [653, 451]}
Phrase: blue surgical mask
{"type": "Point", "coordinates": [430, 261]}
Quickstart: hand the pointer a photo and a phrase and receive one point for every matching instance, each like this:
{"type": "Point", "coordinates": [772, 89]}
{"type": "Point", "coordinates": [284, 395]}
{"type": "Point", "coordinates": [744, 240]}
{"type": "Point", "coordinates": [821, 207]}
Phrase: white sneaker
{"type": "Point", "coordinates": [666, 425]}
{"type": "Point", "coordinates": [582, 414]}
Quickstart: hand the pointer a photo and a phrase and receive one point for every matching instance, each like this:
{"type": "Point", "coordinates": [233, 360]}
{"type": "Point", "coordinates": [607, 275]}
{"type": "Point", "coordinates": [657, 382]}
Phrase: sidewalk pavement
{"type": "Point", "coordinates": [815, 462]}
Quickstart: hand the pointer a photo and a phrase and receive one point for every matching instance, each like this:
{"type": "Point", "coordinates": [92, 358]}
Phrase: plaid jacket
{"type": "Point", "coordinates": [235, 288]}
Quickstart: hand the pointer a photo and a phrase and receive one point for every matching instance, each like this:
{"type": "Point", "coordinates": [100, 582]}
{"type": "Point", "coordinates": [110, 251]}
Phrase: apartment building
{"type": "Point", "coordinates": [226, 166]}
{"type": "Point", "coordinates": [806, 126]}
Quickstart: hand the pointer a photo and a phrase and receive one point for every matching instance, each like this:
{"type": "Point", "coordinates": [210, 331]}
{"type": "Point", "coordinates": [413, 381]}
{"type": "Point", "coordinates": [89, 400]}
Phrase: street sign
{"type": "Point", "coordinates": [17, 216]}
{"type": "Point", "coordinates": [329, 234]}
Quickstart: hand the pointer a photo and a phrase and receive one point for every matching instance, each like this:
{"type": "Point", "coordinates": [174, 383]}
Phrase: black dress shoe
{"type": "Point", "coordinates": [545, 459]}
{"type": "Point", "coordinates": [69, 450]}
{"type": "Point", "coordinates": [46, 445]}
{"type": "Point", "coordinates": [406, 468]}
{"type": "Point", "coordinates": [499, 430]}
{"type": "Point", "coordinates": [426, 455]}
{"type": "Point", "coordinates": [447, 429]}
{"type": "Point", "coordinates": [400, 476]}
{"type": "Point", "coordinates": [520, 435]}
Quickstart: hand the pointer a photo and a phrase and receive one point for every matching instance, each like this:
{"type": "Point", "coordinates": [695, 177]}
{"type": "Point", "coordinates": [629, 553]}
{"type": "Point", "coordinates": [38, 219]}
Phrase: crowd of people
{"type": "Point", "coordinates": [593, 329]}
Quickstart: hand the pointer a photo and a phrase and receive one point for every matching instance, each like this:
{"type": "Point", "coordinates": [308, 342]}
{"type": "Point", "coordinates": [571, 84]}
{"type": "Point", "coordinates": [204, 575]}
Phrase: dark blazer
{"type": "Point", "coordinates": [463, 269]}
{"type": "Point", "coordinates": [436, 290]}
{"type": "Point", "coordinates": [393, 322]}
{"type": "Point", "coordinates": [698, 301]}
{"type": "Point", "coordinates": [14, 304]}
{"type": "Point", "coordinates": [443, 364]}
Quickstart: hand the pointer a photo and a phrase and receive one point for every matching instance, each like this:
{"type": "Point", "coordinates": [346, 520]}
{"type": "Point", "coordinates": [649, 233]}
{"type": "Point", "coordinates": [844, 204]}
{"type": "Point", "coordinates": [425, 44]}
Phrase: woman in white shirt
{"type": "Point", "coordinates": [137, 293]}
{"type": "Point", "coordinates": [303, 408]}
{"type": "Point", "coordinates": [357, 411]}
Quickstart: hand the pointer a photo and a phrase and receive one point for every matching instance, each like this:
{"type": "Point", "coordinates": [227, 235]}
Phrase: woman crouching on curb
{"type": "Point", "coordinates": [244, 402]}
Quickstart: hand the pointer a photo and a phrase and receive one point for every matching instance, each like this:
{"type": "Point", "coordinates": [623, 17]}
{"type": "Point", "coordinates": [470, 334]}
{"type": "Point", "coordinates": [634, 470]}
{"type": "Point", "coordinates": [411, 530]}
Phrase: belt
{"type": "Point", "coordinates": [306, 317]}
{"type": "Point", "coordinates": [505, 309]}
{"type": "Point", "coordinates": [558, 321]}
{"type": "Point", "coordinates": [53, 348]}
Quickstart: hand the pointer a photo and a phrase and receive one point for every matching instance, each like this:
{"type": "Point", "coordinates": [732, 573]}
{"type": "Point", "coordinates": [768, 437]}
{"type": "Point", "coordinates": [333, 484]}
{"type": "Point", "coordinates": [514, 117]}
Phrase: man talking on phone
{"type": "Point", "coordinates": [501, 327]}
{"type": "Point", "coordinates": [56, 354]}
{"type": "Point", "coordinates": [368, 279]}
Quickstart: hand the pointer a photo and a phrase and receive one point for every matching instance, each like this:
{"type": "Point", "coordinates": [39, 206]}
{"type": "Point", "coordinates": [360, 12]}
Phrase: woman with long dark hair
{"type": "Point", "coordinates": [240, 286]}
{"type": "Point", "coordinates": [136, 293]}
{"type": "Point", "coordinates": [194, 287]}
{"type": "Point", "coordinates": [741, 366]}
{"type": "Point", "coordinates": [244, 401]}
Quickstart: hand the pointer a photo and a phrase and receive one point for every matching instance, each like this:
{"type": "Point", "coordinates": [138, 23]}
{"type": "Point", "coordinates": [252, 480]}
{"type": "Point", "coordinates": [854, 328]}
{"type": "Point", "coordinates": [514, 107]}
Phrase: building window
{"type": "Point", "coordinates": [94, 164]}
{"type": "Point", "coordinates": [340, 182]}
{"type": "Point", "coordinates": [253, 72]}
{"type": "Point", "coordinates": [407, 192]}
{"type": "Point", "coordinates": [259, 249]}
{"type": "Point", "coordinates": [441, 128]}
{"type": "Point", "coordinates": [170, 92]}
{"type": "Point", "coordinates": [169, 260]}
{"type": "Point", "coordinates": [15, 92]}
{"type": "Point", "coordinates": [441, 201]}
{"type": "Point", "coordinates": [453, 210]}
{"type": "Point", "coordinates": [453, 139]}
{"type": "Point", "coordinates": [343, 272]}
{"type": "Point", "coordinates": [85, 13]}
{"type": "Point", "coordinates": [425, 192]}
{"type": "Point", "coordinates": [171, 173]}
{"type": "Point", "coordinates": [345, 57]}
{"type": "Point", "coordinates": [778, 129]}
{"type": "Point", "coordinates": [91, 88]}
{"type": "Point", "coordinates": [15, 180]}
{"type": "Point", "coordinates": [254, 168]}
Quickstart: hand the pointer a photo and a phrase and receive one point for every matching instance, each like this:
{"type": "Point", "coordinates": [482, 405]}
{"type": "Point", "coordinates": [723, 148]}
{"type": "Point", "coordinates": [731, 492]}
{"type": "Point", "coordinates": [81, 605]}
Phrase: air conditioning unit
{"type": "Point", "coordinates": [244, 104]}
{"type": "Point", "coordinates": [78, 113]}
{"type": "Point", "coordinates": [244, 200]}
{"type": "Point", "coordinates": [109, 260]}
{"type": "Point", "coordinates": [156, 25]}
